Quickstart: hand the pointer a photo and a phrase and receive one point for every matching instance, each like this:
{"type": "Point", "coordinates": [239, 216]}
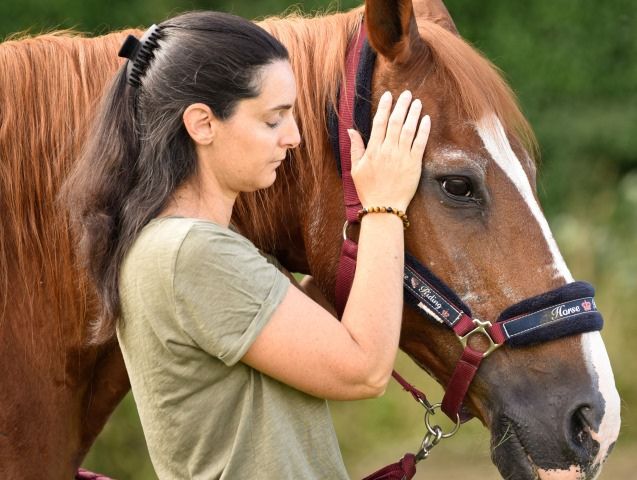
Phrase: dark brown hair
{"type": "Point", "coordinates": [139, 151]}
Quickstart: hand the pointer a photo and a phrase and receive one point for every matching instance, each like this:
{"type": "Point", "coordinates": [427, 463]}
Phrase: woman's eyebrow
{"type": "Point", "coordinates": [286, 106]}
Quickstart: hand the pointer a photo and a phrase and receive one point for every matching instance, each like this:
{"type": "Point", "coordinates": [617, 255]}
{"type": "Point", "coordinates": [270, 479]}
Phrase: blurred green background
{"type": "Point", "coordinates": [573, 65]}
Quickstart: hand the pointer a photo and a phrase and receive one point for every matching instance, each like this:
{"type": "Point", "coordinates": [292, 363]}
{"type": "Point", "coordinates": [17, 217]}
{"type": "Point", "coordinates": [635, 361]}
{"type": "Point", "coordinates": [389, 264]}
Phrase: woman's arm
{"type": "Point", "coordinates": [311, 289]}
{"type": "Point", "coordinates": [303, 345]}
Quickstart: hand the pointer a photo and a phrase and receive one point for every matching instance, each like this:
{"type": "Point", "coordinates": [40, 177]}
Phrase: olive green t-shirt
{"type": "Point", "coordinates": [194, 297]}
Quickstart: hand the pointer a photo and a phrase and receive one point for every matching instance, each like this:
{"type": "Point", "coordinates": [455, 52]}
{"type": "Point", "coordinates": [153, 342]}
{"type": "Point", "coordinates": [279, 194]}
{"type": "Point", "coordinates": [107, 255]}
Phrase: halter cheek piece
{"type": "Point", "coordinates": [139, 54]}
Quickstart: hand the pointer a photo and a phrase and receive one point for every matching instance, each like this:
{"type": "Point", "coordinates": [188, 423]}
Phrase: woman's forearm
{"type": "Point", "coordinates": [373, 312]}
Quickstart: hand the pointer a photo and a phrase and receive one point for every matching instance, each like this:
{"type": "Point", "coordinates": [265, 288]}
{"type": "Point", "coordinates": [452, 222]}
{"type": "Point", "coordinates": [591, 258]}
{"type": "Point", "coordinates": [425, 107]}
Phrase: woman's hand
{"type": "Point", "coordinates": [388, 171]}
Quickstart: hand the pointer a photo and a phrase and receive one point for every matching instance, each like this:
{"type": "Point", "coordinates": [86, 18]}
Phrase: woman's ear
{"type": "Point", "coordinates": [200, 123]}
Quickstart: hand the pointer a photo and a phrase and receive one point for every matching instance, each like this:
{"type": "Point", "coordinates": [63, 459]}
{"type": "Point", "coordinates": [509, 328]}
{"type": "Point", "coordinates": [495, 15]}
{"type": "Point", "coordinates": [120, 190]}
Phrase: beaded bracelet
{"type": "Point", "coordinates": [402, 215]}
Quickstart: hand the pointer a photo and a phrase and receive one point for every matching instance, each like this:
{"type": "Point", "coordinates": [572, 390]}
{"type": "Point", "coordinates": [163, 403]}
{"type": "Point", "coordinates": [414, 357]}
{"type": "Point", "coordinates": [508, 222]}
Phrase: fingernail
{"type": "Point", "coordinates": [417, 102]}
{"type": "Point", "coordinates": [386, 95]}
{"type": "Point", "coordinates": [406, 93]}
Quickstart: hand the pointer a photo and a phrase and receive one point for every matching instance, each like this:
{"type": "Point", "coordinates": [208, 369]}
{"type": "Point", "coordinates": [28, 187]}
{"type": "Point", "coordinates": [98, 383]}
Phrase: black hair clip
{"type": "Point", "coordinates": [139, 54]}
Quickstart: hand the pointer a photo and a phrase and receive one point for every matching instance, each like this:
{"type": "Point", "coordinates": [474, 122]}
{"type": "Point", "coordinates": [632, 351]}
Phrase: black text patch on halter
{"type": "Point", "coordinates": [431, 296]}
{"type": "Point", "coordinates": [429, 299]}
{"type": "Point", "coordinates": [549, 315]}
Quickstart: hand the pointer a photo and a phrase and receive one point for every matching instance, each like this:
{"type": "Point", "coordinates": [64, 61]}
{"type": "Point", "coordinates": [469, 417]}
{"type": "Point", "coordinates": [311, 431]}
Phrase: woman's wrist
{"type": "Point", "coordinates": [365, 211]}
{"type": "Point", "coordinates": [382, 220]}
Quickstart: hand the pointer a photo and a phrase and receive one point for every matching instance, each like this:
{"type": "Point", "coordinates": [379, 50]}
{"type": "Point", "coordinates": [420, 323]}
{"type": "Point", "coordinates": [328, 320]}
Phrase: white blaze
{"type": "Point", "coordinates": [497, 144]}
{"type": "Point", "coordinates": [598, 364]}
{"type": "Point", "coordinates": [495, 141]}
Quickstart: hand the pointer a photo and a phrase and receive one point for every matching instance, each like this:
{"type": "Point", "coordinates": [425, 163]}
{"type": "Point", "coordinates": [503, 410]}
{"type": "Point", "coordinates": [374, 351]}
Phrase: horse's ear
{"type": "Point", "coordinates": [391, 27]}
{"type": "Point", "coordinates": [435, 11]}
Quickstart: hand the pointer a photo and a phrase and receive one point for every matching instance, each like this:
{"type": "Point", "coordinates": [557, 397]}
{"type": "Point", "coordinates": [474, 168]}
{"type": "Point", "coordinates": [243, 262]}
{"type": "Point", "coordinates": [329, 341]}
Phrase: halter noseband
{"type": "Point", "coordinates": [567, 310]}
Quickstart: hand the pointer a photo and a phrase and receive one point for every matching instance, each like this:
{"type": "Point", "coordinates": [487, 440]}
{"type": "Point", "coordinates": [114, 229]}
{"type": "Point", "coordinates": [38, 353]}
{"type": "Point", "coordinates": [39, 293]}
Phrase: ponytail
{"type": "Point", "coordinates": [139, 151]}
{"type": "Point", "coordinates": [95, 193]}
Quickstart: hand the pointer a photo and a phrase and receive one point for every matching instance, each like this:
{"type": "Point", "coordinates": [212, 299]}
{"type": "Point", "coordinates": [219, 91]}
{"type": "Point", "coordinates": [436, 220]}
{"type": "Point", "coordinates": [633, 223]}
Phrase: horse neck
{"type": "Point", "coordinates": [273, 218]}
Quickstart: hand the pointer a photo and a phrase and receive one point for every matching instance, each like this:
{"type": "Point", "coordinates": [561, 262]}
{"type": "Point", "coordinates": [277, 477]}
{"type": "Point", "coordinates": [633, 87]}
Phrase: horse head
{"type": "Point", "coordinates": [552, 407]}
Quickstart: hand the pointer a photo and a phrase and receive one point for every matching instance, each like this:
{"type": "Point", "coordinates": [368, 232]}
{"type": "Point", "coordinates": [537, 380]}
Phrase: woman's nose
{"type": "Point", "coordinates": [292, 136]}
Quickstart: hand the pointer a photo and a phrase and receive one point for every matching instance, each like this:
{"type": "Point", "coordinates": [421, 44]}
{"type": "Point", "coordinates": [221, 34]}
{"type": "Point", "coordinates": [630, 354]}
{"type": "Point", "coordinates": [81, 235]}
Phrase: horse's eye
{"type": "Point", "coordinates": [457, 186]}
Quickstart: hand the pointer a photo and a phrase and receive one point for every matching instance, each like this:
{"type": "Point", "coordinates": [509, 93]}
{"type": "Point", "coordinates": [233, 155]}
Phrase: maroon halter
{"type": "Point", "coordinates": [406, 467]}
{"type": "Point", "coordinates": [349, 249]}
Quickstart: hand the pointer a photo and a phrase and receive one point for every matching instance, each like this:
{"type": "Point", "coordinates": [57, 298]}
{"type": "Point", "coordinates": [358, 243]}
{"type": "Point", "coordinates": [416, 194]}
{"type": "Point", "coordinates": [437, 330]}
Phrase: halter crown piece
{"type": "Point", "coordinates": [139, 54]}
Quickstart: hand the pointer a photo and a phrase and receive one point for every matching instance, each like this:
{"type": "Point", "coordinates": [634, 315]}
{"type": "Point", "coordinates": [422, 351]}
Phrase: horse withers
{"type": "Point", "coordinates": [552, 408]}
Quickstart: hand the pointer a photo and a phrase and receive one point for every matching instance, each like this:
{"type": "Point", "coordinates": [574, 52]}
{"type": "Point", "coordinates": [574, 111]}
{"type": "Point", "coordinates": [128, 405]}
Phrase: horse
{"type": "Point", "coordinates": [552, 407]}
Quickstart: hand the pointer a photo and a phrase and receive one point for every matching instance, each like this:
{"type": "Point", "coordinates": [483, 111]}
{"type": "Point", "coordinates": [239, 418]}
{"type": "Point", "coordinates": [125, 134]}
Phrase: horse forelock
{"type": "Point", "coordinates": [49, 84]}
{"type": "Point", "coordinates": [480, 88]}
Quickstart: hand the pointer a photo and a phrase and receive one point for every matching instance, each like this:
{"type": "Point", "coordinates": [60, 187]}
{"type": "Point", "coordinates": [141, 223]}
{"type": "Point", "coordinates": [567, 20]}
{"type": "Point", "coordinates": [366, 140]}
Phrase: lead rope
{"type": "Point", "coordinates": [405, 468]}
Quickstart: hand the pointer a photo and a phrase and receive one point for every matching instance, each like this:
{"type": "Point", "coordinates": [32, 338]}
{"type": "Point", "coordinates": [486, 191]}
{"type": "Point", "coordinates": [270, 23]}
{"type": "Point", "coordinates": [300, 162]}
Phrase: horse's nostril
{"type": "Point", "coordinates": [585, 415]}
{"type": "Point", "coordinates": [582, 421]}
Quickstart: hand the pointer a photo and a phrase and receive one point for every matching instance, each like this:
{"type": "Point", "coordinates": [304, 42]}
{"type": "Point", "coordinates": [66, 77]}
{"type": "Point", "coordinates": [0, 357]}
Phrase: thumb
{"type": "Point", "coordinates": [357, 146]}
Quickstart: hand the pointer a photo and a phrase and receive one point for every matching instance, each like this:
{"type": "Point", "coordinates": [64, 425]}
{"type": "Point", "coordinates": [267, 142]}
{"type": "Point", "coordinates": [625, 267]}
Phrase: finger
{"type": "Point", "coordinates": [410, 126]}
{"type": "Point", "coordinates": [420, 142]}
{"type": "Point", "coordinates": [379, 124]}
{"type": "Point", "coordinates": [357, 148]}
{"type": "Point", "coordinates": [397, 117]}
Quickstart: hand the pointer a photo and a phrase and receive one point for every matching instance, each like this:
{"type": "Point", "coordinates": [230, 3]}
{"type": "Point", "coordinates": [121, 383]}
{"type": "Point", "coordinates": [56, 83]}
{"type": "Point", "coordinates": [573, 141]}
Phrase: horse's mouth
{"type": "Point", "coordinates": [514, 460]}
{"type": "Point", "coordinates": [509, 454]}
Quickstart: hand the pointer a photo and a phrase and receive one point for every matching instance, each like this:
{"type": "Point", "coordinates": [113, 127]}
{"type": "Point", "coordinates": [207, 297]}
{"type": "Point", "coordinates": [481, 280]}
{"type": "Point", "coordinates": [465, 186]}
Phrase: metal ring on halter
{"type": "Point", "coordinates": [345, 225]}
{"type": "Point", "coordinates": [433, 430]}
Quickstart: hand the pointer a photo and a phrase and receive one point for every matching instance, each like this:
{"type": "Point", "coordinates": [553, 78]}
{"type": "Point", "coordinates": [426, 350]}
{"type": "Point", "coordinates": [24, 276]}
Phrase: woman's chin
{"type": "Point", "coordinates": [264, 182]}
{"type": "Point", "coordinates": [270, 181]}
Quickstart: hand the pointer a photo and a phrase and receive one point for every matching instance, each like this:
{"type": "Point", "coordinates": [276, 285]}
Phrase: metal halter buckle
{"type": "Point", "coordinates": [481, 328]}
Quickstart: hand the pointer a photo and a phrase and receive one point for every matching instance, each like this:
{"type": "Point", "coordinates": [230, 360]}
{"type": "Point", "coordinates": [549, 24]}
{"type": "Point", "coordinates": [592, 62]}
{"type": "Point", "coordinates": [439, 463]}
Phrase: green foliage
{"type": "Point", "coordinates": [574, 67]}
{"type": "Point", "coordinates": [98, 17]}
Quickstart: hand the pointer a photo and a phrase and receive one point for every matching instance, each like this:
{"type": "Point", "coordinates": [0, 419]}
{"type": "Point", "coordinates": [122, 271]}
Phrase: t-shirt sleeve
{"type": "Point", "coordinates": [225, 291]}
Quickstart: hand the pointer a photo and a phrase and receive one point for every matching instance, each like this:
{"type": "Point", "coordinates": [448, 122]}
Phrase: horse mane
{"type": "Point", "coordinates": [479, 84]}
{"type": "Point", "coordinates": [50, 87]}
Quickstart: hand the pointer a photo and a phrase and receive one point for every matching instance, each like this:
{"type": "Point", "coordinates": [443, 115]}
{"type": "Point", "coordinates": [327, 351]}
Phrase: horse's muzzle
{"type": "Point", "coordinates": [552, 435]}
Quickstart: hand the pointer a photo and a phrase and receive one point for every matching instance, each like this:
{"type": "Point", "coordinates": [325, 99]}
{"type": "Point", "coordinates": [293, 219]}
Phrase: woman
{"type": "Point", "coordinates": [230, 364]}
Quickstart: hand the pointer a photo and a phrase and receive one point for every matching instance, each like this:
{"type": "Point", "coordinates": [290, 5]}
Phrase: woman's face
{"type": "Point", "coordinates": [250, 145]}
